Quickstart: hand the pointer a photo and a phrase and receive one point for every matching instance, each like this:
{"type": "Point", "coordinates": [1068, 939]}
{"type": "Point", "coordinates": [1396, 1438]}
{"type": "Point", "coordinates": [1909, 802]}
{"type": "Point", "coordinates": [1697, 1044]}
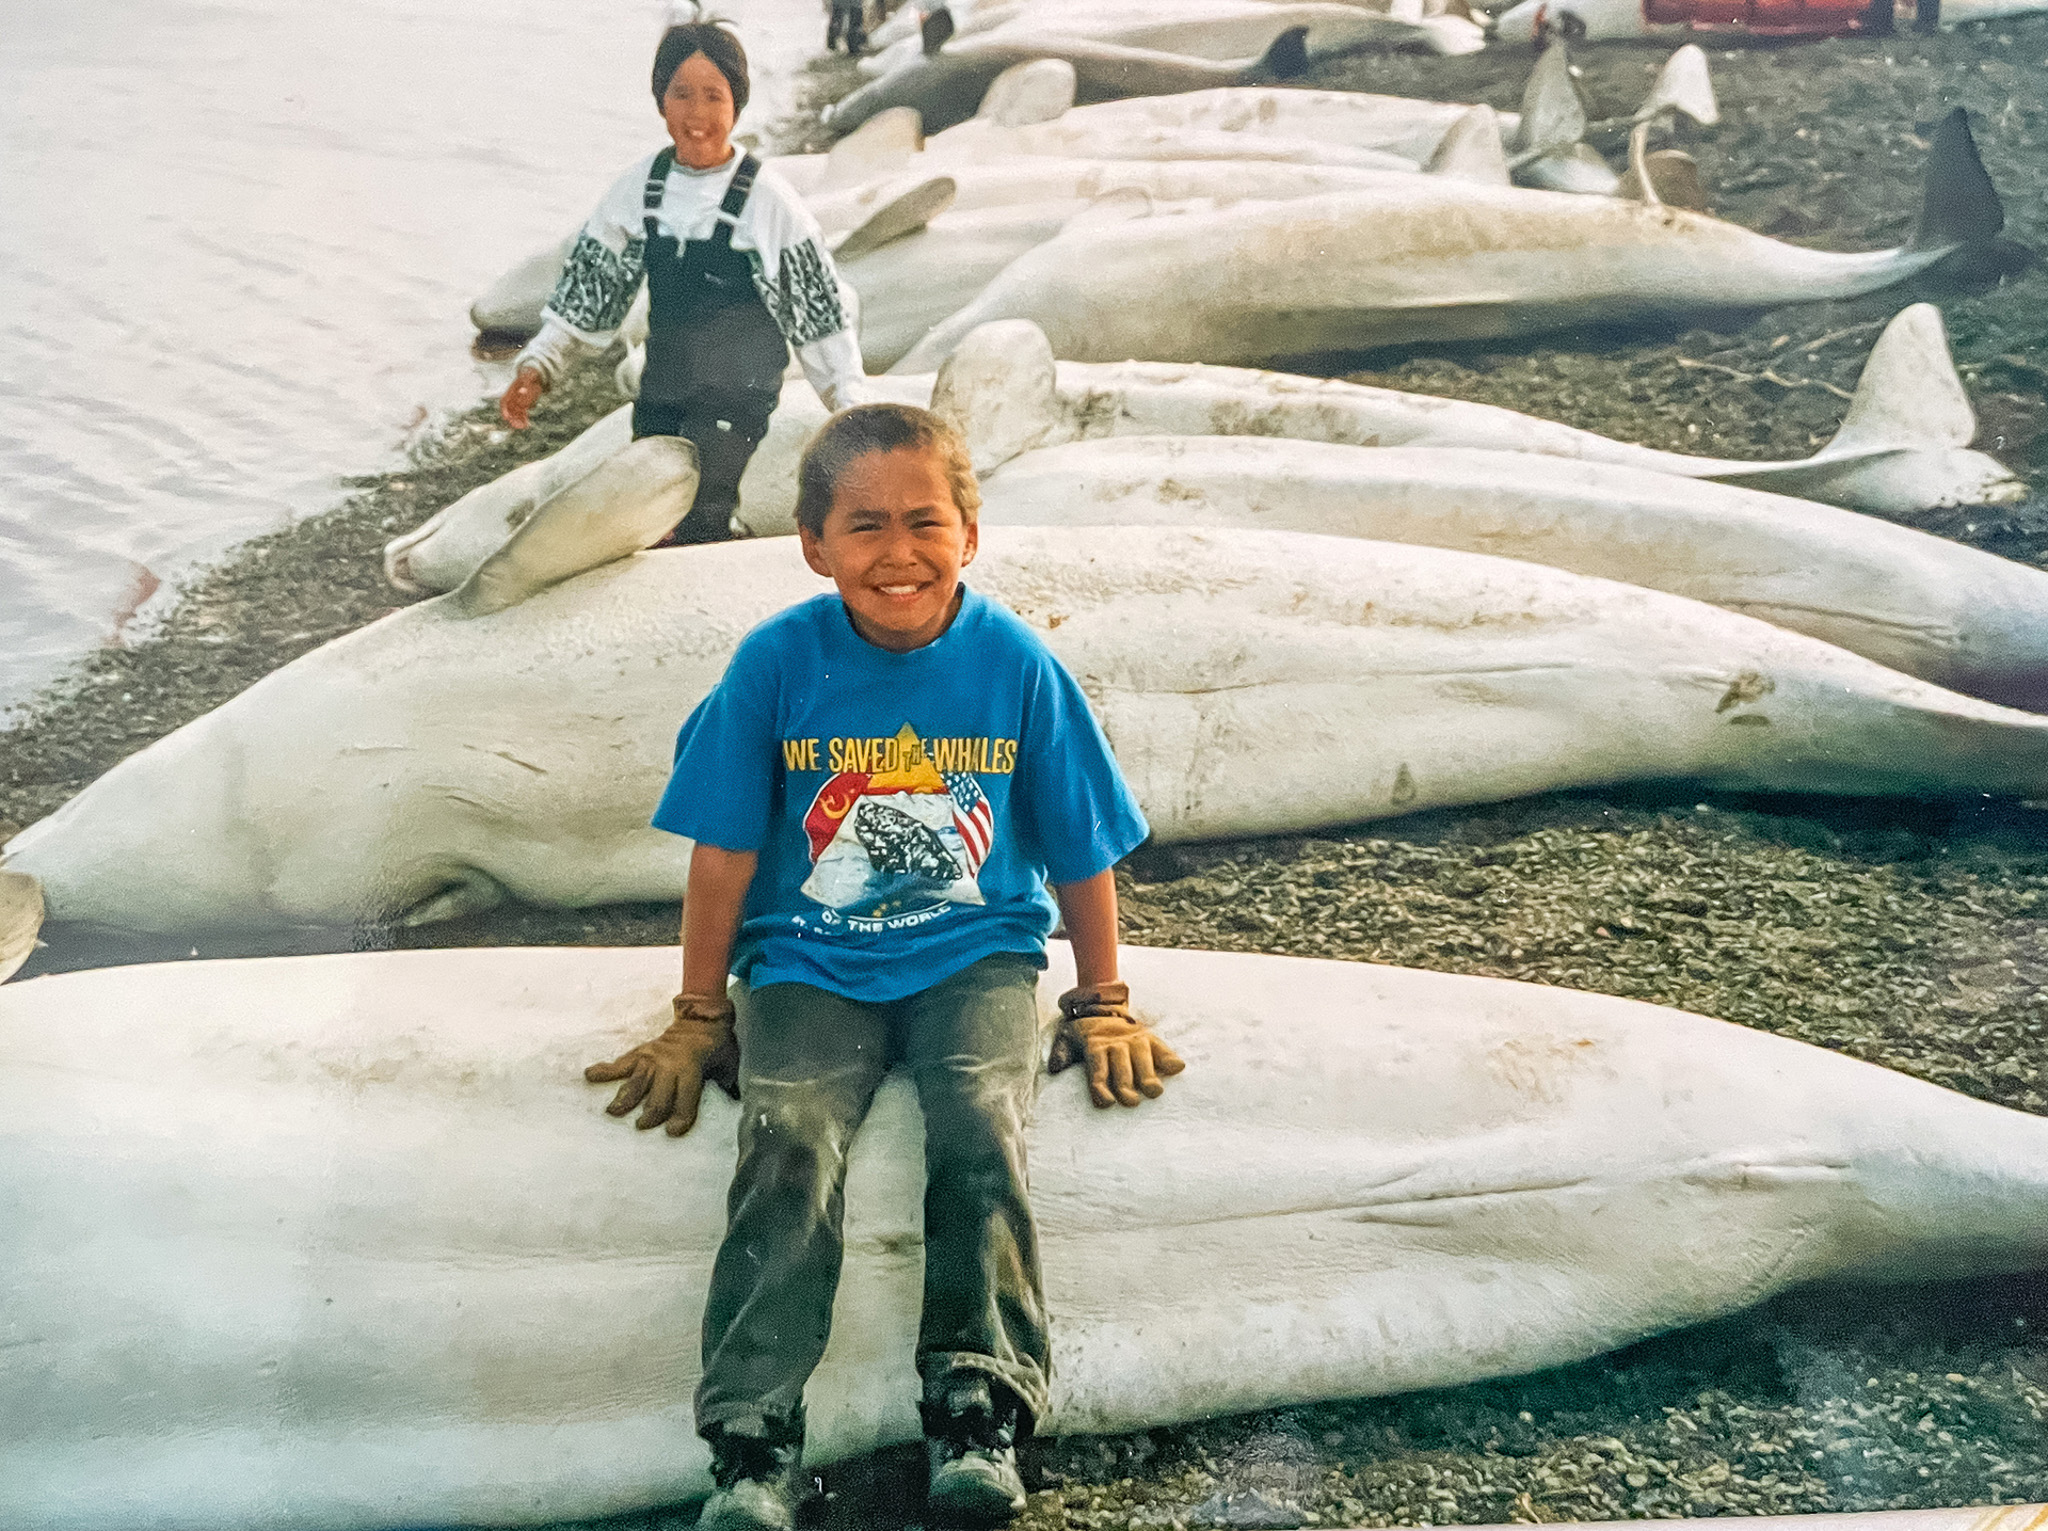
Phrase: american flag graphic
{"type": "Point", "coordinates": [972, 816]}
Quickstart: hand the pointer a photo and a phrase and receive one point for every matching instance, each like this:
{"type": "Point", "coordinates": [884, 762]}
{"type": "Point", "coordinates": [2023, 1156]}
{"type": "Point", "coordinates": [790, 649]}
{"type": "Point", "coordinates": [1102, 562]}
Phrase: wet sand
{"type": "Point", "coordinates": [1906, 933]}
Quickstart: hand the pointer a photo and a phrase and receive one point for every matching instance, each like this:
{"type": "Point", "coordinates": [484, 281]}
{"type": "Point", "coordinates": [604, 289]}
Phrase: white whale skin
{"type": "Point", "coordinates": [1250, 682]}
{"type": "Point", "coordinates": [346, 1241]}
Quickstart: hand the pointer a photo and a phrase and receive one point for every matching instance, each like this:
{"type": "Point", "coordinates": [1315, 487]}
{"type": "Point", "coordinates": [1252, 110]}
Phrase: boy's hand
{"type": "Point", "coordinates": [669, 1072]}
{"type": "Point", "coordinates": [1125, 1056]}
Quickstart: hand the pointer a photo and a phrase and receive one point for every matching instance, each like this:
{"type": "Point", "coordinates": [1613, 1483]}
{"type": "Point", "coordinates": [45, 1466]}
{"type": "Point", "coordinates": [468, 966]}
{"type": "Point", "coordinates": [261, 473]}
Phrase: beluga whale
{"type": "Point", "coordinates": [1903, 446]}
{"type": "Point", "coordinates": [433, 763]}
{"type": "Point", "coordinates": [1433, 258]}
{"type": "Point", "coordinates": [345, 1241]}
{"type": "Point", "coordinates": [947, 80]}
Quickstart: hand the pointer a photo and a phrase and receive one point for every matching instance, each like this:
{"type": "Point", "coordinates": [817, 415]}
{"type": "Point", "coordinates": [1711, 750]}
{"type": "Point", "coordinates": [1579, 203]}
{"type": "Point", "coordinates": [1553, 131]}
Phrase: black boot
{"type": "Point", "coordinates": [971, 1444]}
{"type": "Point", "coordinates": [756, 1478]}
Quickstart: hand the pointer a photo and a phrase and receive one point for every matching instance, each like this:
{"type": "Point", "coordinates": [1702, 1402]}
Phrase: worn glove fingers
{"type": "Point", "coordinates": [634, 1090]}
{"type": "Point", "coordinates": [605, 1073]}
{"type": "Point", "coordinates": [661, 1099]}
{"type": "Point", "coordinates": [1120, 1082]}
{"type": "Point", "coordinates": [1144, 1073]}
{"type": "Point", "coordinates": [683, 1113]}
{"type": "Point", "coordinates": [1164, 1059]}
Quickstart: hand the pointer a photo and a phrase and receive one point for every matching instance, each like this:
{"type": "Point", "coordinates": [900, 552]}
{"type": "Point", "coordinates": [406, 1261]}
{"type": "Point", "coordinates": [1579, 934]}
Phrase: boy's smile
{"type": "Point", "coordinates": [895, 543]}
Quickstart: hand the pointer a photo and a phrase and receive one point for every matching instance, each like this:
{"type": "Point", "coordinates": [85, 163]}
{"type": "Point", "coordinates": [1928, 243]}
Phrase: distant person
{"type": "Point", "coordinates": [881, 789]}
{"type": "Point", "coordinates": [849, 20]}
{"type": "Point", "coordinates": [737, 276]}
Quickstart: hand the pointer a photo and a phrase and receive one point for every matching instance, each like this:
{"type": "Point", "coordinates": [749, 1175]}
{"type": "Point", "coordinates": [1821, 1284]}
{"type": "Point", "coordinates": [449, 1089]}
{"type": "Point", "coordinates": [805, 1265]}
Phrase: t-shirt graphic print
{"type": "Point", "coordinates": [898, 842]}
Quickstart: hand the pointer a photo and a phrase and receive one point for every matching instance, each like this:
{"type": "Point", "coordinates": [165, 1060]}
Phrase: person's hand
{"type": "Point", "coordinates": [525, 391]}
{"type": "Point", "coordinates": [1125, 1057]}
{"type": "Point", "coordinates": [669, 1072]}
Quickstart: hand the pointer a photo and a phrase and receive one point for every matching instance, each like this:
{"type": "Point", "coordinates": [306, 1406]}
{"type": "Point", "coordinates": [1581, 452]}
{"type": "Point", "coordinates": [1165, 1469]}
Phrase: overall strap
{"type": "Point", "coordinates": [735, 200]}
{"type": "Point", "coordinates": [657, 186]}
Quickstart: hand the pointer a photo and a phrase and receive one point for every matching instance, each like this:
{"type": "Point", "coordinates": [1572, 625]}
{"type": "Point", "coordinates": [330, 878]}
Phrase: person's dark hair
{"type": "Point", "coordinates": [715, 42]}
{"type": "Point", "coordinates": [866, 428]}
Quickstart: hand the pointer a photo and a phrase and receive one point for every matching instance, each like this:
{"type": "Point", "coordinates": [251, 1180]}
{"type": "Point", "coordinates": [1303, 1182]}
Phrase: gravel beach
{"type": "Point", "coordinates": [1909, 934]}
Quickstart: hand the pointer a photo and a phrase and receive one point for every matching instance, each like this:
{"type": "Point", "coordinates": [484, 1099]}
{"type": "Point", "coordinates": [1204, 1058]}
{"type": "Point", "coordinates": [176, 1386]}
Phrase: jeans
{"type": "Point", "coordinates": [810, 1062]}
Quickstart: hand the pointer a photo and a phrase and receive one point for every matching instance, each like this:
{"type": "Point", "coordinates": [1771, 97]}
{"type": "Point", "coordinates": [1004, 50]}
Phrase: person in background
{"type": "Point", "coordinates": [737, 276]}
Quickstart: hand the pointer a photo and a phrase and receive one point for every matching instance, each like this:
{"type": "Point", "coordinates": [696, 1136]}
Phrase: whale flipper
{"type": "Point", "coordinates": [1959, 205]}
{"type": "Point", "coordinates": [626, 503]}
{"type": "Point", "coordinates": [21, 916]}
{"type": "Point", "coordinates": [902, 214]}
{"type": "Point", "coordinates": [1039, 90]}
{"type": "Point", "coordinates": [880, 146]}
{"type": "Point", "coordinates": [1000, 390]}
{"type": "Point", "coordinates": [1472, 150]}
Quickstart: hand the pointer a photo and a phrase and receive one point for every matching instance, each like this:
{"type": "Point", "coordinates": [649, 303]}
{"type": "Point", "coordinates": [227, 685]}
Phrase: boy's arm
{"type": "Point", "coordinates": [668, 1073]}
{"type": "Point", "coordinates": [1126, 1059]}
{"type": "Point", "coordinates": [719, 880]}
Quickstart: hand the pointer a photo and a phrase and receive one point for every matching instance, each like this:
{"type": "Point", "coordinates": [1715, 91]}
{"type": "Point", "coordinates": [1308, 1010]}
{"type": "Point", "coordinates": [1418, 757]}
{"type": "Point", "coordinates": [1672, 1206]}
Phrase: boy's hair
{"type": "Point", "coordinates": [869, 428]}
{"type": "Point", "coordinates": [715, 42]}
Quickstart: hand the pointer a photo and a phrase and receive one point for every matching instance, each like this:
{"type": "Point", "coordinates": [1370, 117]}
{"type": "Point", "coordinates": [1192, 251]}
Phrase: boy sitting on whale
{"type": "Point", "coordinates": [881, 789]}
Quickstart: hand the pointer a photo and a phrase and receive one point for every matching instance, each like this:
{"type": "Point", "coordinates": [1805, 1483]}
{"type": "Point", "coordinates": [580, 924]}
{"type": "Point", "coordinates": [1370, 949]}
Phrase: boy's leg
{"type": "Point", "coordinates": [726, 427]}
{"type": "Point", "coordinates": [810, 1062]}
{"type": "Point", "coordinates": [973, 1047]}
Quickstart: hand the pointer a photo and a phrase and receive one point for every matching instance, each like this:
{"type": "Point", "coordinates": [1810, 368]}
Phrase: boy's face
{"type": "Point", "coordinates": [895, 543]}
{"type": "Point", "coordinates": [697, 106]}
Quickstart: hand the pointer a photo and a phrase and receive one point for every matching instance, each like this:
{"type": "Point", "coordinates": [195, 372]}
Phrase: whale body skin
{"type": "Point", "coordinates": [1431, 258]}
{"type": "Point", "coordinates": [1903, 447]}
{"type": "Point", "coordinates": [1931, 608]}
{"type": "Point", "coordinates": [346, 1241]}
{"type": "Point", "coordinates": [1250, 683]}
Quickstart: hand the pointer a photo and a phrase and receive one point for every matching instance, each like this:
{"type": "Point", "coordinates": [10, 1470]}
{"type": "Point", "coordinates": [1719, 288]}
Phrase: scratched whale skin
{"type": "Point", "coordinates": [346, 1241]}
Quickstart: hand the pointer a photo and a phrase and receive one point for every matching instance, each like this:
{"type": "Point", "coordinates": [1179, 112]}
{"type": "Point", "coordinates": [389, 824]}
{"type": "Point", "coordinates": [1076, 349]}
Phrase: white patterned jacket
{"type": "Point", "coordinates": [802, 289]}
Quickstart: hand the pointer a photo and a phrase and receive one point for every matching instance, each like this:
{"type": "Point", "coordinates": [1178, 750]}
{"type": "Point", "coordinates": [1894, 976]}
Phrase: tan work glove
{"type": "Point", "coordinates": [1125, 1056]}
{"type": "Point", "coordinates": [669, 1072]}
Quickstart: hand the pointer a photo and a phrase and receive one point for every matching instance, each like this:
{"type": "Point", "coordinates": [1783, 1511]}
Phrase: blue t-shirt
{"type": "Point", "coordinates": [908, 809]}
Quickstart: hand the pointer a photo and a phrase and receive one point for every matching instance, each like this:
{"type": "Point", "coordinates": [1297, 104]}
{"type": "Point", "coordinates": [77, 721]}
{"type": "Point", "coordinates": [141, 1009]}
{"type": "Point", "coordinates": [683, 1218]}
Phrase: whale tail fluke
{"type": "Point", "coordinates": [1684, 85]}
{"type": "Point", "coordinates": [1040, 90]}
{"type": "Point", "coordinates": [900, 215]}
{"type": "Point", "coordinates": [1000, 390]}
{"type": "Point", "coordinates": [1553, 116]}
{"type": "Point", "coordinates": [1909, 393]}
{"type": "Point", "coordinates": [21, 918]}
{"type": "Point", "coordinates": [1959, 205]}
{"type": "Point", "coordinates": [628, 502]}
{"type": "Point", "coordinates": [1472, 150]}
{"type": "Point", "coordinates": [1285, 57]}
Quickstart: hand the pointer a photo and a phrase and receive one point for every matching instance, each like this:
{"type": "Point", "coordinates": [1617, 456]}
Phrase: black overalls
{"type": "Point", "coordinates": [715, 355]}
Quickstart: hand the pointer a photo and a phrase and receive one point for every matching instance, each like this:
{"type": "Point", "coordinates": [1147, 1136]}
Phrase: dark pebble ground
{"type": "Point", "coordinates": [1913, 935]}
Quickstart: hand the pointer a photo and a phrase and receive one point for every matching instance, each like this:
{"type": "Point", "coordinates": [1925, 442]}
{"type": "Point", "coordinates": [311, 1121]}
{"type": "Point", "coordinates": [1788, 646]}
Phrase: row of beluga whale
{"type": "Point", "coordinates": [1247, 262]}
{"type": "Point", "coordinates": [345, 1242]}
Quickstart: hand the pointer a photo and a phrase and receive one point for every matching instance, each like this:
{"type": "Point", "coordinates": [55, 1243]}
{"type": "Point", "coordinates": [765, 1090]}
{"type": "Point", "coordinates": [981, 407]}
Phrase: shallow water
{"type": "Point", "coordinates": [240, 244]}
